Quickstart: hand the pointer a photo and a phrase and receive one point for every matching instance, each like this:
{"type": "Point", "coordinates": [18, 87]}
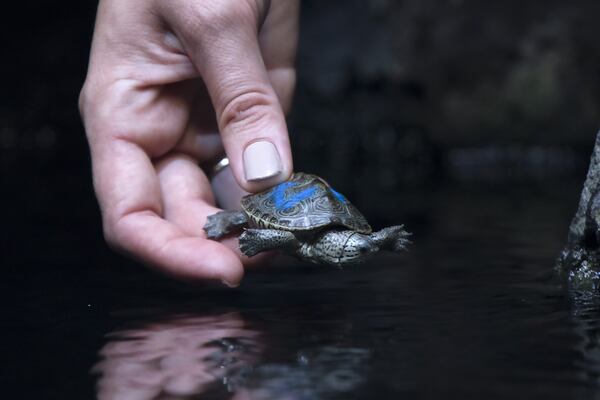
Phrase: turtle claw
{"type": "Point", "coordinates": [401, 242]}
{"type": "Point", "coordinates": [249, 242]}
{"type": "Point", "coordinates": [393, 238]}
{"type": "Point", "coordinates": [401, 238]}
{"type": "Point", "coordinates": [223, 223]}
{"type": "Point", "coordinates": [213, 227]}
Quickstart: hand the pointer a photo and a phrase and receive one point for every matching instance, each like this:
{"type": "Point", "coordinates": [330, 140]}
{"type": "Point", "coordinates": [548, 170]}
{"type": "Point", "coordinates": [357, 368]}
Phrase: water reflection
{"type": "Point", "coordinates": [177, 357]}
{"type": "Point", "coordinates": [585, 313]}
{"type": "Point", "coordinates": [319, 373]}
{"type": "Point", "coordinates": [220, 356]}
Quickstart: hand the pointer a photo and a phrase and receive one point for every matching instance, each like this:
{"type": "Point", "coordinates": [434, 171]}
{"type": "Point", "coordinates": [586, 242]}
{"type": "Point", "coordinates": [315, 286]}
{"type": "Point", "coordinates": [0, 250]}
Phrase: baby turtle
{"type": "Point", "coordinates": [307, 218]}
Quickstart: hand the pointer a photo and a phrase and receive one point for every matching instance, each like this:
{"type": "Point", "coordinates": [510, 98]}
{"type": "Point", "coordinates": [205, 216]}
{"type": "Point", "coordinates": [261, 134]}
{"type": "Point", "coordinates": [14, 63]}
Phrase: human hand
{"type": "Point", "coordinates": [164, 79]}
{"type": "Point", "coordinates": [180, 356]}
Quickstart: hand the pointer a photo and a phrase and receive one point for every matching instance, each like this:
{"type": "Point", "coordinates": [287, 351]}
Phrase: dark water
{"type": "Point", "coordinates": [474, 310]}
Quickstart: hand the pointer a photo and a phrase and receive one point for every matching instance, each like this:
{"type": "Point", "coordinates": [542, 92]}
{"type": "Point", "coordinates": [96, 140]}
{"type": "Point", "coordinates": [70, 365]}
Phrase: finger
{"type": "Point", "coordinates": [201, 139]}
{"type": "Point", "coordinates": [283, 80]}
{"type": "Point", "coordinates": [188, 199]}
{"type": "Point", "coordinates": [222, 42]}
{"type": "Point", "coordinates": [130, 198]}
{"type": "Point", "coordinates": [226, 190]}
{"type": "Point", "coordinates": [186, 193]}
{"type": "Point", "coordinates": [163, 245]}
{"type": "Point", "coordinates": [278, 40]}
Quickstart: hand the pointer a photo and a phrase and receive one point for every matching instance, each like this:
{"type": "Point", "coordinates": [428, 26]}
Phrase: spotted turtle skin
{"type": "Point", "coordinates": [305, 202]}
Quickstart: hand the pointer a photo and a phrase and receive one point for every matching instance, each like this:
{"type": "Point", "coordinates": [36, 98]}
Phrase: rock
{"type": "Point", "coordinates": [580, 259]}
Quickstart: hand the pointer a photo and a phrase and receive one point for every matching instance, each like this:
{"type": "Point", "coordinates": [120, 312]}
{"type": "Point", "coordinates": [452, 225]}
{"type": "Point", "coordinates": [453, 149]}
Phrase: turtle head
{"type": "Point", "coordinates": [357, 248]}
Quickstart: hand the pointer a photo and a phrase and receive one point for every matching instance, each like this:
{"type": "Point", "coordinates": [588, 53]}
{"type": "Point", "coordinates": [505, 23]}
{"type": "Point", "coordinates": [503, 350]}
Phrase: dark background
{"type": "Point", "coordinates": [394, 99]}
{"type": "Point", "coordinates": [379, 82]}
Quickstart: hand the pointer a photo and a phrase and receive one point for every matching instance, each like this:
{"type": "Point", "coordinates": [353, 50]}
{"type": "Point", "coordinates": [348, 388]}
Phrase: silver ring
{"type": "Point", "coordinates": [220, 166]}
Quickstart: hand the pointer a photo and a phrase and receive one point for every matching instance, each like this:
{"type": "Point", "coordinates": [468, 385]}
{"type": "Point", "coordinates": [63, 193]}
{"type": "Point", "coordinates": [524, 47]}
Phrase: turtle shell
{"type": "Point", "coordinates": [304, 202]}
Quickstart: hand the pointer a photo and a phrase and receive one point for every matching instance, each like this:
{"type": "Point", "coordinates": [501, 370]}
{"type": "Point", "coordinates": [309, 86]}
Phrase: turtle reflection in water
{"type": "Point", "coordinates": [305, 217]}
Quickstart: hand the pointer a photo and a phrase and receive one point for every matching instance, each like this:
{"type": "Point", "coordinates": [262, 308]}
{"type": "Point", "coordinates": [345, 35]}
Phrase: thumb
{"type": "Point", "coordinates": [226, 52]}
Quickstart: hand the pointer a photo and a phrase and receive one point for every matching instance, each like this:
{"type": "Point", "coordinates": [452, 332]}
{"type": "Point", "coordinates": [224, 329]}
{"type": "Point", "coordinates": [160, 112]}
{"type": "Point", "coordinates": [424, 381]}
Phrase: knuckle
{"type": "Point", "coordinates": [82, 100]}
{"type": "Point", "coordinates": [217, 16]}
{"type": "Point", "coordinates": [232, 11]}
{"type": "Point", "coordinates": [249, 109]}
{"type": "Point", "coordinates": [111, 110]}
{"type": "Point", "coordinates": [115, 232]}
{"type": "Point", "coordinates": [88, 97]}
{"type": "Point", "coordinates": [113, 223]}
{"type": "Point", "coordinates": [110, 235]}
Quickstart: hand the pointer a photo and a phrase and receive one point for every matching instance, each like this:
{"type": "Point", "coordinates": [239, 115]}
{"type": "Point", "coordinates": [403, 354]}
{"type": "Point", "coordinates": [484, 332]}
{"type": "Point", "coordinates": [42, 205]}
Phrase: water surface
{"type": "Point", "coordinates": [474, 310]}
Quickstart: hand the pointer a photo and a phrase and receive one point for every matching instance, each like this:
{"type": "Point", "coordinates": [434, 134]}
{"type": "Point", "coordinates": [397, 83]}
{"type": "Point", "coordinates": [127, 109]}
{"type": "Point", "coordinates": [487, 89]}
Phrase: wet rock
{"type": "Point", "coordinates": [580, 260]}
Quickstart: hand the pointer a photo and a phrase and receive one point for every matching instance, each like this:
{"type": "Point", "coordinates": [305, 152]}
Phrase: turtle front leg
{"type": "Point", "coordinates": [224, 223]}
{"type": "Point", "coordinates": [393, 238]}
{"type": "Point", "coordinates": [254, 241]}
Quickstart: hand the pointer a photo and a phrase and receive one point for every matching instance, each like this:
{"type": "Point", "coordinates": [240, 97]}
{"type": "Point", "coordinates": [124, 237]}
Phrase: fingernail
{"type": "Point", "coordinates": [261, 161]}
{"type": "Point", "coordinates": [231, 285]}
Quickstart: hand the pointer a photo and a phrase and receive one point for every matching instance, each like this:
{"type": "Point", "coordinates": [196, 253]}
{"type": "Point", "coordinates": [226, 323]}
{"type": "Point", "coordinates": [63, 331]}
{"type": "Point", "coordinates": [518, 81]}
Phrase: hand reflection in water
{"type": "Point", "coordinates": [176, 358]}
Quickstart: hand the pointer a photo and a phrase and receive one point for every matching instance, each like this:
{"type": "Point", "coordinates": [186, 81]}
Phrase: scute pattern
{"type": "Point", "coordinates": [305, 202]}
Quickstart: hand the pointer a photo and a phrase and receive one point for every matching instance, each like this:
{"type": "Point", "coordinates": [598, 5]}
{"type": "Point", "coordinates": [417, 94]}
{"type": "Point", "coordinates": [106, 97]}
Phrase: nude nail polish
{"type": "Point", "coordinates": [261, 161]}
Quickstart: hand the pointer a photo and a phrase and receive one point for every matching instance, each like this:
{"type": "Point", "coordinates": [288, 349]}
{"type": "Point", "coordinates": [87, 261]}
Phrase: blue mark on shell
{"type": "Point", "coordinates": [338, 196]}
{"type": "Point", "coordinates": [278, 194]}
{"type": "Point", "coordinates": [283, 203]}
{"type": "Point", "coordinates": [298, 198]}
